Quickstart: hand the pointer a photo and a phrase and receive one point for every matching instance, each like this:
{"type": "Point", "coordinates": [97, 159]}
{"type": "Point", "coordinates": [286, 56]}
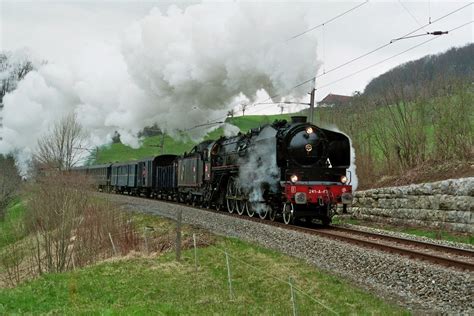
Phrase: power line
{"type": "Point", "coordinates": [370, 52]}
{"type": "Point", "coordinates": [287, 40]}
{"type": "Point", "coordinates": [396, 55]}
{"type": "Point", "coordinates": [382, 61]}
{"type": "Point", "coordinates": [326, 22]}
{"type": "Point", "coordinates": [413, 17]}
{"type": "Point", "coordinates": [377, 48]}
{"type": "Point", "coordinates": [385, 45]}
{"type": "Point", "coordinates": [435, 20]}
{"type": "Point", "coordinates": [358, 57]}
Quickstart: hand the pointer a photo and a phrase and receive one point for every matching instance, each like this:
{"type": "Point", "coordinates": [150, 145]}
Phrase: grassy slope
{"type": "Point", "coordinates": [161, 285]}
{"type": "Point", "coordinates": [120, 152]}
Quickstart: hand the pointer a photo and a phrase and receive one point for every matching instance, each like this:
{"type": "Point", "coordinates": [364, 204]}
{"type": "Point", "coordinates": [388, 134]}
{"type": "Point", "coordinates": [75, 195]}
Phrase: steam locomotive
{"type": "Point", "coordinates": [287, 170]}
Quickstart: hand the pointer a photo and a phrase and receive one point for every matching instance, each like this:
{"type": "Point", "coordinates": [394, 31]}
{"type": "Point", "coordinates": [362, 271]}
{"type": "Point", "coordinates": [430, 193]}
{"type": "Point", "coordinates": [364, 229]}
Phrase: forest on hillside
{"type": "Point", "coordinates": [427, 75]}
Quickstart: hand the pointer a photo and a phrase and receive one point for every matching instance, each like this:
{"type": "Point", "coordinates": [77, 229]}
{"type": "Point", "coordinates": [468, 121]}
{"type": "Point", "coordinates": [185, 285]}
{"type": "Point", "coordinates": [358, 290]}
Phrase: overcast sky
{"type": "Point", "coordinates": [56, 30]}
{"type": "Point", "coordinates": [123, 65]}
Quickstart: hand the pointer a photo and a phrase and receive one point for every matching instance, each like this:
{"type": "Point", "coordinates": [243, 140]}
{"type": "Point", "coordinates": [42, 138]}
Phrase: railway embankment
{"type": "Point", "coordinates": [447, 205]}
{"type": "Point", "coordinates": [420, 286]}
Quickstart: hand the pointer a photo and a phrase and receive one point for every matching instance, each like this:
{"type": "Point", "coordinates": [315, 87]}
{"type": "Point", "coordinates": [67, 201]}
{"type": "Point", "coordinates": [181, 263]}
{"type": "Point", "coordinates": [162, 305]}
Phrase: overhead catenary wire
{"type": "Point", "coordinates": [326, 22]}
{"type": "Point", "coordinates": [372, 51]}
{"type": "Point", "coordinates": [393, 56]}
{"type": "Point", "coordinates": [384, 45]}
{"type": "Point", "coordinates": [405, 36]}
{"type": "Point", "coordinates": [380, 62]}
{"type": "Point", "coordinates": [409, 13]}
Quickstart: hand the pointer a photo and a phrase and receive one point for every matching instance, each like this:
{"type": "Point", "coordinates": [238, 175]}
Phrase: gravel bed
{"type": "Point", "coordinates": [409, 236]}
{"type": "Point", "coordinates": [419, 286]}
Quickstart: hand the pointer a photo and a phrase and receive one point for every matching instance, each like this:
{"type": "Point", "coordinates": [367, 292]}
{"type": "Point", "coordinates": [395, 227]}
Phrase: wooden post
{"type": "Point", "coordinates": [195, 253]}
{"type": "Point", "coordinates": [229, 276]}
{"type": "Point", "coordinates": [146, 240]}
{"type": "Point", "coordinates": [113, 245]}
{"type": "Point", "coordinates": [178, 235]}
{"type": "Point", "coordinates": [293, 301]}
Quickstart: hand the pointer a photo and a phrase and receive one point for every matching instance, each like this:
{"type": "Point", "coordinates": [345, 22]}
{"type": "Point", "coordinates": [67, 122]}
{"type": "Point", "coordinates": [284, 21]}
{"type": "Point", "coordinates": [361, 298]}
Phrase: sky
{"type": "Point", "coordinates": [57, 29]}
{"type": "Point", "coordinates": [121, 65]}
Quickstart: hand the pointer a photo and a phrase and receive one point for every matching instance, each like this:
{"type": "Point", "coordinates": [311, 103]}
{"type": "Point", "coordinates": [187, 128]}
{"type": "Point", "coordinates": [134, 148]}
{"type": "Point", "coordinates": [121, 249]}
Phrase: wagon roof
{"type": "Point", "coordinates": [105, 165]}
{"type": "Point", "coordinates": [92, 167]}
{"type": "Point", "coordinates": [158, 158]}
{"type": "Point", "coordinates": [124, 163]}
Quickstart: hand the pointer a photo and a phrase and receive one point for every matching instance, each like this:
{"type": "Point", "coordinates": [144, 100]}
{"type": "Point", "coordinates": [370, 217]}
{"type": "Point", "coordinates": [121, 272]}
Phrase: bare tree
{"type": "Point", "coordinates": [230, 113]}
{"type": "Point", "coordinates": [9, 182]}
{"type": "Point", "coordinates": [11, 73]}
{"type": "Point", "coordinates": [61, 148]}
{"type": "Point", "coordinates": [282, 107]}
{"type": "Point", "coordinates": [243, 108]}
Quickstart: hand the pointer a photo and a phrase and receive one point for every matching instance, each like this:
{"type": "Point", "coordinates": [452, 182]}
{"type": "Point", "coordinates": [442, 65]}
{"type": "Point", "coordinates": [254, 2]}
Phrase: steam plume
{"type": "Point", "coordinates": [178, 69]}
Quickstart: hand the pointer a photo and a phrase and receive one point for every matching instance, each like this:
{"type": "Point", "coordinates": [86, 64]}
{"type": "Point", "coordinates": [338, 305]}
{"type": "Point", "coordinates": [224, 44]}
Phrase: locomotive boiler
{"type": "Point", "coordinates": [285, 169]}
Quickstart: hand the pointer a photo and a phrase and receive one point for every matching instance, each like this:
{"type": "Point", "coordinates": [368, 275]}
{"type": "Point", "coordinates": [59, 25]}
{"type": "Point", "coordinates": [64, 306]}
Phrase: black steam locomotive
{"type": "Point", "coordinates": [283, 170]}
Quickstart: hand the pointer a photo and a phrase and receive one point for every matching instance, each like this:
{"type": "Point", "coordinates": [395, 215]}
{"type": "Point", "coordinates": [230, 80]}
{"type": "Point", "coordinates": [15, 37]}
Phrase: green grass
{"type": "Point", "coordinates": [10, 227]}
{"type": "Point", "coordinates": [151, 146]}
{"type": "Point", "coordinates": [423, 232]}
{"type": "Point", "coordinates": [246, 123]}
{"type": "Point", "coordinates": [163, 286]}
{"type": "Point", "coordinates": [443, 235]}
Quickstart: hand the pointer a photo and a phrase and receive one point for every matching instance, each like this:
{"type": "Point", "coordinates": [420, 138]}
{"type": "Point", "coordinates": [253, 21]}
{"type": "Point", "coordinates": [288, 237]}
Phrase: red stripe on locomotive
{"type": "Point", "coordinates": [316, 193]}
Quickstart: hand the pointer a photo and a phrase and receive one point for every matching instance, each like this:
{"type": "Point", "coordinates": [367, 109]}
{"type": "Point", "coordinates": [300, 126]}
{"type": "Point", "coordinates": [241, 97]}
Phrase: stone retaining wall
{"type": "Point", "coordinates": [448, 205]}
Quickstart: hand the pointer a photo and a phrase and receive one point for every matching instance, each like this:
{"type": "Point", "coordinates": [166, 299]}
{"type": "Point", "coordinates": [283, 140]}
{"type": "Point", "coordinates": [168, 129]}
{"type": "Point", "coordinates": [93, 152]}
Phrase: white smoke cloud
{"type": "Point", "coordinates": [230, 130]}
{"type": "Point", "coordinates": [259, 170]}
{"type": "Point", "coordinates": [178, 69]}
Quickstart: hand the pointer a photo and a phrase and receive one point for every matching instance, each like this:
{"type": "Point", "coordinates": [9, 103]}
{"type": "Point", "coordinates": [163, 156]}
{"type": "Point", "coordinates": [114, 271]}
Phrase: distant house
{"type": "Point", "coordinates": [335, 100]}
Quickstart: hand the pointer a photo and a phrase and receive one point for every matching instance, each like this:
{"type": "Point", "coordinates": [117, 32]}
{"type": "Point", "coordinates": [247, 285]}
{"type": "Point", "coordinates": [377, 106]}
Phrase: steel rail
{"type": "Point", "coordinates": [333, 232]}
{"type": "Point", "coordinates": [410, 242]}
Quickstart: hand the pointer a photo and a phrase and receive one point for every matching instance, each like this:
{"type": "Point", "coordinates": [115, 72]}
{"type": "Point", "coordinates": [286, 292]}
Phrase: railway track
{"type": "Point", "coordinates": [453, 257]}
{"type": "Point", "coordinates": [434, 253]}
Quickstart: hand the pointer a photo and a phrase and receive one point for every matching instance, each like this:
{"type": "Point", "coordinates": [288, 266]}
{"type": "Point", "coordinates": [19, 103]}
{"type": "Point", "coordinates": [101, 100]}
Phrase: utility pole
{"type": "Point", "coordinates": [1, 121]}
{"type": "Point", "coordinates": [311, 102]}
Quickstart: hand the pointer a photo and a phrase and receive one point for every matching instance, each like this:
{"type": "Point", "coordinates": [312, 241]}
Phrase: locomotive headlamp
{"type": "Point", "coordinates": [343, 179]}
{"type": "Point", "coordinates": [309, 130]}
{"type": "Point", "coordinates": [294, 178]}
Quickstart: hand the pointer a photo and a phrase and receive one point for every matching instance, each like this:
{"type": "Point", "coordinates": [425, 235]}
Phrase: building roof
{"type": "Point", "coordinates": [336, 99]}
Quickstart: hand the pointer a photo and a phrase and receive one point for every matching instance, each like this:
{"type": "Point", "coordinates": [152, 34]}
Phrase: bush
{"type": "Point", "coordinates": [70, 227]}
{"type": "Point", "coordinates": [9, 182]}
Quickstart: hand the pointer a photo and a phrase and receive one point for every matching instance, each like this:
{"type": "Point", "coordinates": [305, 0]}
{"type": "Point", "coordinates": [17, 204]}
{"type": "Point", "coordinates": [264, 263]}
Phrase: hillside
{"type": "Point", "coordinates": [152, 145]}
{"type": "Point", "coordinates": [429, 74]}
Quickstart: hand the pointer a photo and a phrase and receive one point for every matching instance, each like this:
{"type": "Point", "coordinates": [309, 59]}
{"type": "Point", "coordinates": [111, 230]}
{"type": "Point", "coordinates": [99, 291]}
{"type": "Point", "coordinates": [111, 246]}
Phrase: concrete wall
{"type": "Point", "coordinates": [448, 205]}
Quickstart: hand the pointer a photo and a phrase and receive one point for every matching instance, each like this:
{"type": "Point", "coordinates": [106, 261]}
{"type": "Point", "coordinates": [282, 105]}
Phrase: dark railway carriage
{"type": "Point", "coordinates": [84, 170]}
{"type": "Point", "coordinates": [166, 177]}
{"type": "Point", "coordinates": [194, 173]}
{"type": "Point", "coordinates": [101, 176]}
{"type": "Point", "coordinates": [146, 175]}
{"type": "Point", "coordinates": [124, 177]}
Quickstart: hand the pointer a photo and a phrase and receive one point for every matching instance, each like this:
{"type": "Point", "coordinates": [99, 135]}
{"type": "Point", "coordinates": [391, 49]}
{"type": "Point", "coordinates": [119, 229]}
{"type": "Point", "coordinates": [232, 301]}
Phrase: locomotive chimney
{"type": "Point", "coordinates": [298, 119]}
